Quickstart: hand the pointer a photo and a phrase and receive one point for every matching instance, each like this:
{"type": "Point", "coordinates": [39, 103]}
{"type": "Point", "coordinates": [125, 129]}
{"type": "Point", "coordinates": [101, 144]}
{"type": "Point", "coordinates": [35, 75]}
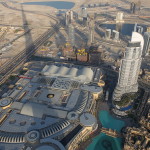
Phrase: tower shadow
{"type": "Point", "coordinates": [82, 35]}
{"type": "Point", "coordinates": [29, 45]}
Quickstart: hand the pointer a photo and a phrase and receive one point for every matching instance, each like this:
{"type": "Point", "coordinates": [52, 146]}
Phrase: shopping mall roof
{"type": "Point", "coordinates": [87, 119]}
{"type": "Point", "coordinates": [38, 110]}
{"type": "Point", "coordinates": [83, 74]}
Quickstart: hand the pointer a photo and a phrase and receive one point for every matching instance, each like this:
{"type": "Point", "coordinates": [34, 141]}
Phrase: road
{"type": "Point", "coordinates": [24, 55]}
{"type": "Point", "coordinates": [33, 12]}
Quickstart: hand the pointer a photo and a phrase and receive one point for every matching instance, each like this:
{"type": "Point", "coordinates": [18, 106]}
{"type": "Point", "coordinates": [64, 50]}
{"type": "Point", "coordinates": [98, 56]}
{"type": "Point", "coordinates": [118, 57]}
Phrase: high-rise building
{"type": "Point", "coordinates": [135, 27]}
{"type": "Point", "coordinates": [84, 12]}
{"type": "Point", "coordinates": [138, 29]}
{"type": "Point", "coordinates": [115, 35]}
{"type": "Point", "coordinates": [133, 7]}
{"type": "Point", "coordinates": [108, 34]}
{"type": "Point", "coordinates": [91, 32]}
{"type": "Point", "coordinates": [137, 37]}
{"type": "Point", "coordinates": [119, 17]}
{"type": "Point", "coordinates": [146, 48]}
{"type": "Point", "coordinates": [85, 21]}
{"type": "Point", "coordinates": [71, 34]}
{"type": "Point", "coordinates": [69, 17]}
{"type": "Point", "coordinates": [130, 68]}
{"type": "Point", "coordinates": [90, 36]}
{"type": "Point", "coordinates": [84, 15]}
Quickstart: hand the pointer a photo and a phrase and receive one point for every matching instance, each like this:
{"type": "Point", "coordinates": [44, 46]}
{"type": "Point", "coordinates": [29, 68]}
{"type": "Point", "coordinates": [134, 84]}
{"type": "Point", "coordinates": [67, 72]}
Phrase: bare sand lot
{"type": "Point", "coordinates": [39, 20]}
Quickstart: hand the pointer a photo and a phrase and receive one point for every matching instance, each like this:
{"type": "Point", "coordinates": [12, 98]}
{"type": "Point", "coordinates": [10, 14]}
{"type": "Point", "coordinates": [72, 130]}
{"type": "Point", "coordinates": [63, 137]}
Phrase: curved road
{"type": "Point", "coordinates": [33, 12]}
{"type": "Point", "coordinates": [24, 55]}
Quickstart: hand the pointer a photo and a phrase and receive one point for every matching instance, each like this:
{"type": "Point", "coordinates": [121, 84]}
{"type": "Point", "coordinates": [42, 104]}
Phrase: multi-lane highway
{"type": "Point", "coordinates": [24, 55]}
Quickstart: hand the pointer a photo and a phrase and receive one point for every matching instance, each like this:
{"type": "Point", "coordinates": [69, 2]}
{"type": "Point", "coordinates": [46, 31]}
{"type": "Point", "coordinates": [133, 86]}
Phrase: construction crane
{"type": "Point", "coordinates": [81, 52]}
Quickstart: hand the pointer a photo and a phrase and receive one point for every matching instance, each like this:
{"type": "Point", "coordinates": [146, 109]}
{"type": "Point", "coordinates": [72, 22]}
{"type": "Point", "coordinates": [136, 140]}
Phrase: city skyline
{"type": "Point", "coordinates": [75, 75]}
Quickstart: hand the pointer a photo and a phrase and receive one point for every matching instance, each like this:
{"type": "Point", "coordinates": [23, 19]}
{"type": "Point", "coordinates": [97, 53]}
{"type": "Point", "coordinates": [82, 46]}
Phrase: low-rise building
{"type": "Point", "coordinates": [50, 101]}
{"type": "Point", "coordinates": [138, 138]}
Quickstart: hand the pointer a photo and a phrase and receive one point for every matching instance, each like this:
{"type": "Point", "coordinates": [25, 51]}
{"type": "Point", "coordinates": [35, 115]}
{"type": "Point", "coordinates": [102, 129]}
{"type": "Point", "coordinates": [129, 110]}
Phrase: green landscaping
{"type": "Point", "coordinates": [125, 99]}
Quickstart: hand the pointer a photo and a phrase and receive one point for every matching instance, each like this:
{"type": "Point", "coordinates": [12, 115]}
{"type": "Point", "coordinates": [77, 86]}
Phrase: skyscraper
{"type": "Point", "coordinates": [119, 17]}
{"type": "Point", "coordinates": [71, 34]}
{"type": "Point", "coordinates": [129, 70]}
{"type": "Point", "coordinates": [69, 17]}
{"type": "Point", "coordinates": [91, 32]}
{"type": "Point", "coordinates": [146, 47]}
{"type": "Point", "coordinates": [138, 28]}
{"type": "Point", "coordinates": [115, 35]}
{"type": "Point", "coordinates": [84, 15]}
{"type": "Point", "coordinates": [133, 7]}
{"type": "Point", "coordinates": [108, 34]}
{"type": "Point", "coordinates": [84, 12]}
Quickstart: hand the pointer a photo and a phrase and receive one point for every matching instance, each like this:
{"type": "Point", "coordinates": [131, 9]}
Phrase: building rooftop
{"type": "Point", "coordinates": [87, 119]}
{"type": "Point", "coordinates": [38, 110]}
{"type": "Point", "coordinates": [83, 74]}
{"type": "Point", "coordinates": [48, 104]}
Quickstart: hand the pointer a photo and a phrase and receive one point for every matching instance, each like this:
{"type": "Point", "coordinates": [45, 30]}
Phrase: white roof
{"type": "Point", "coordinates": [84, 74]}
{"type": "Point", "coordinates": [16, 105]}
{"type": "Point", "coordinates": [87, 119]}
{"type": "Point", "coordinates": [93, 89]}
{"type": "Point", "coordinates": [38, 110]}
{"type": "Point", "coordinates": [73, 99]}
{"type": "Point", "coordinates": [137, 37]}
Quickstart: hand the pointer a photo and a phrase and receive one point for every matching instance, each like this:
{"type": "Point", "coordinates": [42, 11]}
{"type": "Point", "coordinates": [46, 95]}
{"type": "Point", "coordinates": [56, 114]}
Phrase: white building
{"type": "Point", "coordinates": [146, 48]}
{"type": "Point", "coordinates": [108, 34]}
{"type": "Point", "coordinates": [119, 17]}
{"type": "Point", "coordinates": [130, 67]}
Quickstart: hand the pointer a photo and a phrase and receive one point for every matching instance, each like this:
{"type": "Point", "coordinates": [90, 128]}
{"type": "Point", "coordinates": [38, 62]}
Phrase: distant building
{"type": "Point", "coordinates": [82, 55]}
{"type": "Point", "coordinates": [91, 33]}
{"type": "Point", "coordinates": [85, 21]}
{"type": "Point", "coordinates": [84, 12]}
{"type": "Point", "coordinates": [119, 17]}
{"type": "Point", "coordinates": [132, 7]}
{"type": "Point", "coordinates": [137, 37]}
{"type": "Point", "coordinates": [83, 58]}
{"type": "Point", "coordinates": [115, 35]}
{"type": "Point", "coordinates": [138, 138]}
{"type": "Point", "coordinates": [68, 17]}
{"type": "Point", "coordinates": [138, 29]}
{"type": "Point", "coordinates": [129, 70]}
{"type": "Point", "coordinates": [146, 48]}
{"type": "Point", "coordinates": [94, 57]}
{"type": "Point", "coordinates": [143, 108]}
{"type": "Point", "coordinates": [108, 34]}
{"type": "Point", "coordinates": [71, 34]}
{"type": "Point", "coordinates": [84, 15]}
{"type": "Point", "coordinates": [68, 52]}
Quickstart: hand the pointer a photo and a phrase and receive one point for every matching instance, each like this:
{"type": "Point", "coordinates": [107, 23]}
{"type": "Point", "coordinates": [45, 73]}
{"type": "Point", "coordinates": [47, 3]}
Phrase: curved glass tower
{"type": "Point", "coordinates": [130, 68]}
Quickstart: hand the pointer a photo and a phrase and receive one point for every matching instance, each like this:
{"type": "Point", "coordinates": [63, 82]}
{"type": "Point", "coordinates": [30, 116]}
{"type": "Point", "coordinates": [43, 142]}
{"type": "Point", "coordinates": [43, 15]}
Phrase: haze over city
{"type": "Point", "coordinates": [74, 75]}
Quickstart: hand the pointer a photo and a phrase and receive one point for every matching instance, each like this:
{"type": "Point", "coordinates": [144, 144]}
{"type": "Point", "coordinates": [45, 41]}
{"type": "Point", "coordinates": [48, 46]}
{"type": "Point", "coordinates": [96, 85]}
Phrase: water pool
{"type": "Point", "coordinates": [103, 141]}
{"type": "Point", "coordinates": [108, 121]}
{"type": "Point", "coordinates": [126, 28]}
{"type": "Point", "coordinates": [55, 4]}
